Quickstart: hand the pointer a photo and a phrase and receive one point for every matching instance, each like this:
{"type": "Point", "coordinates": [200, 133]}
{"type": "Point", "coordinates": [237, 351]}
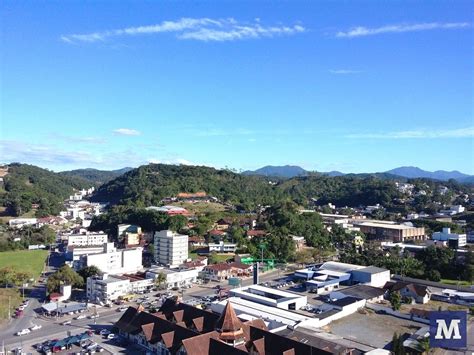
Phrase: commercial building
{"type": "Point", "coordinates": [391, 231]}
{"type": "Point", "coordinates": [174, 277]}
{"type": "Point", "coordinates": [178, 328]}
{"type": "Point", "coordinates": [331, 274]}
{"type": "Point", "coordinates": [454, 240]}
{"type": "Point", "coordinates": [170, 210]}
{"type": "Point", "coordinates": [114, 261]}
{"type": "Point", "coordinates": [270, 297]}
{"type": "Point", "coordinates": [108, 288]}
{"type": "Point", "coordinates": [85, 239]}
{"type": "Point", "coordinates": [171, 249]}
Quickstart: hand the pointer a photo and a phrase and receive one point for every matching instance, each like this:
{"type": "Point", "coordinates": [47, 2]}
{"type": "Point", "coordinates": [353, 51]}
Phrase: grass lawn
{"type": "Point", "coordinates": [455, 282]}
{"type": "Point", "coordinates": [15, 300]}
{"type": "Point", "coordinates": [31, 261]}
{"type": "Point", "coordinates": [201, 207]}
{"type": "Point", "coordinates": [219, 257]}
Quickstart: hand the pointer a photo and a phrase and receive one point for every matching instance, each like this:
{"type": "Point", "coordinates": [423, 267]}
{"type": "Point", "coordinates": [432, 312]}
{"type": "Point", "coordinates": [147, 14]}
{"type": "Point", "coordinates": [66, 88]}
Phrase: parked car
{"type": "Point", "coordinates": [36, 327]}
{"type": "Point", "coordinates": [68, 322]}
{"type": "Point", "coordinates": [104, 332]}
{"type": "Point", "coordinates": [82, 316]}
{"type": "Point", "coordinates": [93, 316]}
{"type": "Point", "coordinates": [92, 346]}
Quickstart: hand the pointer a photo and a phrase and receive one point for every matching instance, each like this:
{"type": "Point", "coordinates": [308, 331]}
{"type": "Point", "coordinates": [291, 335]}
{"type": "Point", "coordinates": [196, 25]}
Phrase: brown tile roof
{"type": "Point", "coordinates": [417, 289]}
{"type": "Point", "coordinates": [168, 339]}
{"type": "Point", "coordinates": [198, 323]}
{"type": "Point", "coordinates": [238, 265]}
{"type": "Point", "coordinates": [199, 345]}
{"type": "Point", "coordinates": [256, 233]}
{"type": "Point", "coordinates": [229, 325]}
{"type": "Point", "coordinates": [216, 232]}
{"type": "Point", "coordinates": [218, 267]}
{"type": "Point", "coordinates": [178, 315]}
{"type": "Point", "coordinates": [259, 345]}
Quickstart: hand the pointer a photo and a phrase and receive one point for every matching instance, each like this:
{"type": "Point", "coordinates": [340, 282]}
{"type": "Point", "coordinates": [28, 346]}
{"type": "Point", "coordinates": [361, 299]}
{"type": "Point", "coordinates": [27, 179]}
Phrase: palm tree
{"type": "Point", "coordinates": [160, 279]}
{"type": "Point", "coordinates": [424, 345]}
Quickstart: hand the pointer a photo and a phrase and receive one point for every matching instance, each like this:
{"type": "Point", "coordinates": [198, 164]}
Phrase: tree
{"type": "Point", "coordinates": [160, 279]}
{"type": "Point", "coordinates": [395, 300]}
{"type": "Point", "coordinates": [65, 275]}
{"type": "Point", "coordinates": [397, 345]}
{"type": "Point", "coordinates": [423, 345]}
{"type": "Point", "coordinates": [304, 257]}
{"type": "Point", "coordinates": [213, 258]}
{"type": "Point", "coordinates": [433, 275]}
{"type": "Point", "coordinates": [89, 271]}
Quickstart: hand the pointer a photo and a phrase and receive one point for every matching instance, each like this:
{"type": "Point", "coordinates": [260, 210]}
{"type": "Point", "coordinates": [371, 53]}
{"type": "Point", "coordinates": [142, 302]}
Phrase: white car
{"type": "Point", "coordinates": [111, 336]}
{"type": "Point", "coordinates": [92, 346]}
{"type": "Point", "coordinates": [36, 327]}
{"type": "Point", "coordinates": [93, 316]}
{"type": "Point", "coordinates": [82, 316]}
{"type": "Point", "coordinates": [66, 322]}
{"type": "Point", "coordinates": [23, 332]}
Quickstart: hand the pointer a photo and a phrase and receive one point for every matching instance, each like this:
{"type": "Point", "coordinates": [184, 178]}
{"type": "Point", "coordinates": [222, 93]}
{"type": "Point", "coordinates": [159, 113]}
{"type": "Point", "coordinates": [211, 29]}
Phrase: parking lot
{"type": "Point", "coordinates": [371, 329]}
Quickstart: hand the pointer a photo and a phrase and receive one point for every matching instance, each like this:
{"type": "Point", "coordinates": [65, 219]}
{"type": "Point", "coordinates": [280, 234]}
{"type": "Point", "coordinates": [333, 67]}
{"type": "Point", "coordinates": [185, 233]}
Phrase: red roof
{"type": "Point", "coordinates": [216, 232]}
{"type": "Point", "coordinates": [55, 296]}
{"type": "Point", "coordinates": [219, 267]}
{"type": "Point", "coordinates": [256, 233]}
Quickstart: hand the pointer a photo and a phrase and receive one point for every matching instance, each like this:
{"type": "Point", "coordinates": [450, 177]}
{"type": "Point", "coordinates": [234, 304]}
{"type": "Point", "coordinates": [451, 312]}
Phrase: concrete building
{"type": "Point", "coordinates": [454, 240]}
{"type": "Point", "coordinates": [371, 276]}
{"type": "Point", "coordinates": [174, 278]}
{"type": "Point", "coordinates": [108, 288]}
{"type": "Point", "coordinates": [85, 239]}
{"type": "Point", "coordinates": [452, 210]}
{"type": "Point", "coordinates": [391, 231]}
{"type": "Point", "coordinates": [130, 233]}
{"type": "Point", "coordinates": [171, 249]}
{"type": "Point", "coordinates": [113, 261]}
{"type": "Point", "coordinates": [270, 297]}
{"type": "Point", "coordinates": [222, 247]}
{"type": "Point", "coordinates": [20, 222]}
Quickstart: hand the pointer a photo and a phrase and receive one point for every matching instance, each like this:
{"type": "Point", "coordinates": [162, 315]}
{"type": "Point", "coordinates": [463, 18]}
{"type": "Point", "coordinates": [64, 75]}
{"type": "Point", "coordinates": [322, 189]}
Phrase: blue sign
{"type": "Point", "coordinates": [448, 329]}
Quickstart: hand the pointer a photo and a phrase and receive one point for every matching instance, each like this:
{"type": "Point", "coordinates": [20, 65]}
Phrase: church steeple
{"type": "Point", "coordinates": [230, 327]}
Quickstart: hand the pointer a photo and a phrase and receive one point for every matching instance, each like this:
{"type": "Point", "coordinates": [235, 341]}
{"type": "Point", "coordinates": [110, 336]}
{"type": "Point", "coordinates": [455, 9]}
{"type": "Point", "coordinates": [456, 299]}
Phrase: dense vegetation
{"type": "Point", "coordinates": [27, 236]}
{"type": "Point", "coordinates": [25, 185]}
{"type": "Point", "coordinates": [94, 176]}
{"type": "Point", "coordinates": [149, 184]}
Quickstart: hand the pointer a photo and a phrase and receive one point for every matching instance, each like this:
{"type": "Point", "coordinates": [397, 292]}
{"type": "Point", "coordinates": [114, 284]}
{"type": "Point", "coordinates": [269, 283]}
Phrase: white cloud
{"type": "Point", "coordinates": [344, 71]}
{"type": "Point", "coordinates": [173, 161]}
{"type": "Point", "coordinates": [467, 132]}
{"type": "Point", "coordinates": [201, 29]}
{"type": "Point", "coordinates": [361, 31]}
{"type": "Point", "coordinates": [126, 132]}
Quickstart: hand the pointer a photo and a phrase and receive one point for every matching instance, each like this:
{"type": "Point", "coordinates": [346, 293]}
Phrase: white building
{"type": "Point", "coordinates": [456, 240]}
{"type": "Point", "coordinates": [270, 297]}
{"type": "Point", "coordinates": [20, 222]}
{"type": "Point", "coordinates": [174, 278]}
{"type": "Point", "coordinates": [113, 261]}
{"type": "Point", "coordinates": [222, 247]}
{"type": "Point", "coordinates": [171, 249]}
{"type": "Point", "coordinates": [108, 288]}
{"type": "Point", "coordinates": [371, 276]}
{"type": "Point", "coordinates": [452, 210]}
{"type": "Point", "coordinates": [87, 239]}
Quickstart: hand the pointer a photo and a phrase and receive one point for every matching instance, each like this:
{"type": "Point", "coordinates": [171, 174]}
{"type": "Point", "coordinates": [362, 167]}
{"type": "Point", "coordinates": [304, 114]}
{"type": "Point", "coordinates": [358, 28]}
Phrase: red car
{"type": "Point", "coordinates": [18, 314]}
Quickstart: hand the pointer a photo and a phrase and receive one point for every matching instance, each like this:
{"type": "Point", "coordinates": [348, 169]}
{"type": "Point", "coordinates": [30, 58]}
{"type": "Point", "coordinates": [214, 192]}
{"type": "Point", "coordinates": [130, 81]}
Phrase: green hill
{"type": "Point", "coordinates": [95, 176]}
{"type": "Point", "coordinates": [25, 185]}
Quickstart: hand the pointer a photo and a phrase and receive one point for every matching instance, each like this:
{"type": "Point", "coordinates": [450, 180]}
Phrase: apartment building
{"type": "Point", "coordinates": [171, 249]}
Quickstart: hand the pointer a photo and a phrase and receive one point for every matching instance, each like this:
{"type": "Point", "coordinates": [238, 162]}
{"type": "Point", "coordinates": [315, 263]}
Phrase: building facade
{"type": "Point", "coordinates": [171, 249]}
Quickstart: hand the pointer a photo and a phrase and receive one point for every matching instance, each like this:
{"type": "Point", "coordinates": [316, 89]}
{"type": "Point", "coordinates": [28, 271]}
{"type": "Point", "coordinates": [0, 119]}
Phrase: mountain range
{"type": "Point", "coordinates": [289, 171]}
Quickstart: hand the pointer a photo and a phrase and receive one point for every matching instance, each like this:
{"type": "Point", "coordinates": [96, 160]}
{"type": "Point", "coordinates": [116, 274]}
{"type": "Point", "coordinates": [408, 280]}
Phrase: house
{"type": "Point", "coordinates": [196, 241]}
{"type": "Point", "coordinates": [419, 293]}
{"type": "Point", "coordinates": [223, 224]}
{"type": "Point", "coordinates": [131, 234]}
{"type": "Point", "coordinates": [217, 272]}
{"type": "Point", "coordinates": [241, 269]}
{"type": "Point", "coordinates": [299, 242]}
{"type": "Point", "coordinates": [256, 233]}
{"type": "Point", "coordinates": [63, 295]}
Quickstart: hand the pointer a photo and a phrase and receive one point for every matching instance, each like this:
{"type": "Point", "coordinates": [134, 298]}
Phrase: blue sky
{"type": "Point", "coordinates": [337, 85]}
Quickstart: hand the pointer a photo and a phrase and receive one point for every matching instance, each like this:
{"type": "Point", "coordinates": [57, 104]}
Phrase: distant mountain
{"type": "Point", "coordinates": [334, 173]}
{"type": "Point", "coordinates": [95, 176]}
{"type": "Point", "coordinates": [287, 171]}
{"type": "Point", "coordinates": [414, 172]}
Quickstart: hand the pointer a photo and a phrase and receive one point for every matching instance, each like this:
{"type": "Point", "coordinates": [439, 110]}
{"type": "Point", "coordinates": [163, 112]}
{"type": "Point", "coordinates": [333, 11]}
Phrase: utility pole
{"type": "Point", "coordinates": [9, 308]}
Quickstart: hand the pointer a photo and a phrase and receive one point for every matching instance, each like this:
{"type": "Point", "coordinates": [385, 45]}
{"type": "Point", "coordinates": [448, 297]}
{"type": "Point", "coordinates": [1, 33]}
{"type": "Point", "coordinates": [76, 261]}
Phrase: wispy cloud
{"type": "Point", "coordinates": [361, 31]}
{"type": "Point", "coordinates": [201, 29]}
{"type": "Point", "coordinates": [174, 161]}
{"type": "Point", "coordinates": [126, 132]}
{"type": "Point", "coordinates": [467, 132]}
{"type": "Point", "coordinates": [344, 71]}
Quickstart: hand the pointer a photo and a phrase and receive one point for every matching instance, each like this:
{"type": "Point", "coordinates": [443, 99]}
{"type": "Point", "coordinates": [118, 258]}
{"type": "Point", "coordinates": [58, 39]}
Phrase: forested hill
{"type": "Point", "coordinates": [95, 176]}
{"type": "Point", "coordinates": [149, 184]}
{"type": "Point", "coordinates": [25, 185]}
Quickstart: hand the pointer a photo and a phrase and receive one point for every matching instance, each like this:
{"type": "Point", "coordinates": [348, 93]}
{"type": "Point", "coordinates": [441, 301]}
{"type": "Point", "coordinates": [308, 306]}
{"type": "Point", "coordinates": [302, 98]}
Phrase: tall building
{"type": "Point", "coordinates": [171, 249]}
{"type": "Point", "coordinates": [113, 261]}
